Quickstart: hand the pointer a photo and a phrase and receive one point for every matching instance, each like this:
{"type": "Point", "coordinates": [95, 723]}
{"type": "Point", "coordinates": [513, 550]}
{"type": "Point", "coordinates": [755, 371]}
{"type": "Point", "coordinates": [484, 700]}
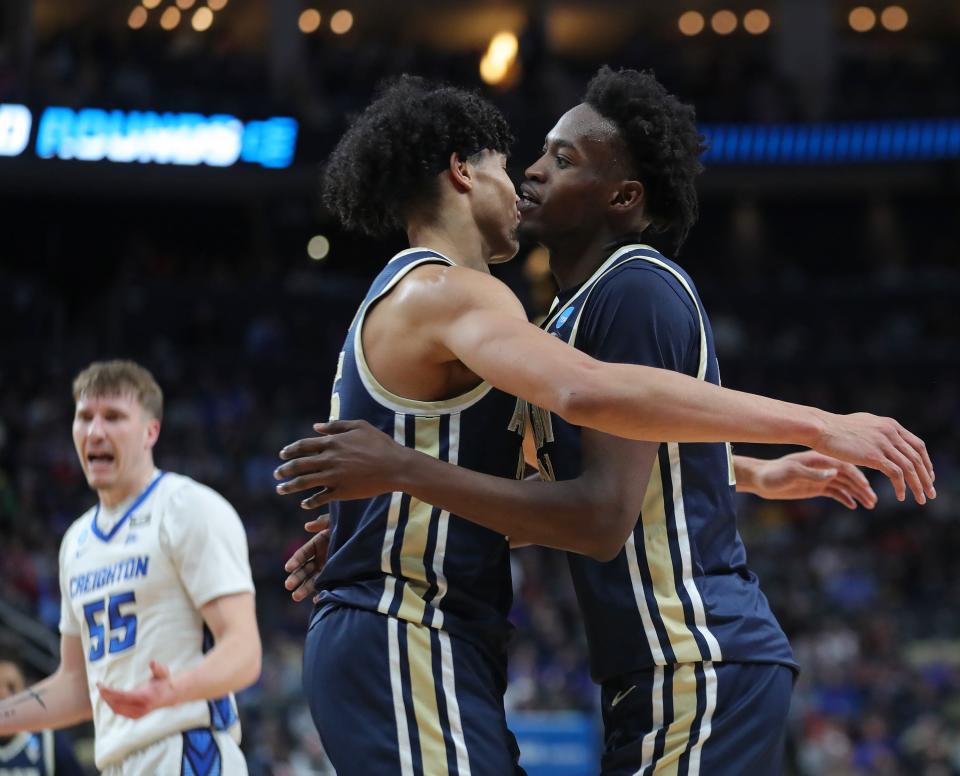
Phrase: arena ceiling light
{"type": "Point", "coordinates": [138, 17]}
{"type": "Point", "coordinates": [309, 21]}
{"type": "Point", "coordinates": [202, 19]}
{"type": "Point", "coordinates": [894, 18]}
{"type": "Point", "coordinates": [756, 22]}
{"type": "Point", "coordinates": [691, 23]}
{"type": "Point", "coordinates": [318, 247]}
{"type": "Point", "coordinates": [217, 5]}
{"type": "Point", "coordinates": [862, 19]}
{"type": "Point", "coordinates": [723, 22]}
{"type": "Point", "coordinates": [170, 18]}
{"type": "Point", "coordinates": [341, 22]}
{"type": "Point", "coordinates": [500, 57]}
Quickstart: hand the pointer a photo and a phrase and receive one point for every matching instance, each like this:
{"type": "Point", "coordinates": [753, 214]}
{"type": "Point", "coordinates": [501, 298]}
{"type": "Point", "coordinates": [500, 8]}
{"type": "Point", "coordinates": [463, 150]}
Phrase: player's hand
{"type": "Point", "coordinates": [811, 474]}
{"type": "Point", "coordinates": [155, 693]}
{"type": "Point", "coordinates": [349, 460]}
{"type": "Point", "coordinates": [304, 565]}
{"type": "Point", "coordinates": [884, 445]}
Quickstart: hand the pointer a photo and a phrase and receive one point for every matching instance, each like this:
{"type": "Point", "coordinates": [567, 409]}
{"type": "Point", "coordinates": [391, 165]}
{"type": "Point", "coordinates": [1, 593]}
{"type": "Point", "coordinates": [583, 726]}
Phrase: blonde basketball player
{"type": "Point", "coordinates": [158, 626]}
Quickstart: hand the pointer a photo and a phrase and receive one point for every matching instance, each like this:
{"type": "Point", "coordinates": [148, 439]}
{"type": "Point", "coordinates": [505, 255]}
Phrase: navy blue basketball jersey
{"type": "Point", "coordinates": [397, 555]}
{"type": "Point", "coordinates": [28, 754]}
{"type": "Point", "coordinates": [680, 590]}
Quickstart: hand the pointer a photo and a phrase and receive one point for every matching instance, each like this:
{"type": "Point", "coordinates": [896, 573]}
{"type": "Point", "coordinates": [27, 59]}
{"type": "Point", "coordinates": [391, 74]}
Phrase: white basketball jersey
{"type": "Point", "coordinates": [132, 581]}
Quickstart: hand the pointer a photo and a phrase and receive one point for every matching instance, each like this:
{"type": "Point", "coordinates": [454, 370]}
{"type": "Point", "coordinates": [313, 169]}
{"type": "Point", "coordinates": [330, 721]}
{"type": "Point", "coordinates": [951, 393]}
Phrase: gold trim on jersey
{"type": "Point", "coordinates": [433, 748]}
{"type": "Point", "coordinates": [413, 523]}
{"type": "Point", "coordinates": [377, 391]}
{"type": "Point", "coordinates": [393, 519]}
{"type": "Point", "coordinates": [335, 396]}
{"type": "Point", "coordinates": [706, 723]}
{"type": "Point", "coordinates": [396, 689]}
{"type": "Point", "coordinates": [448, 681]}
{"type": "Point", "coordinates": [679, 731]}
{"type": "Point", "coordinates": [702, 367]}
{"type": "Point", "coordinates": [416, 531]}
{"type": "Point", "coordinates": [648, 745]}
{"type": "Point", "coordinates": [636, 582]}
{"type": "Point", "coordinates": [429, 689]}
{"type": "Point", "coordinates": [443, 526]}
{"type": "Point", "coordinates": [676, 740]}
{"type": "Point", "coordinates": [686, 560]}
{"type": "Point", "coordinates": [659, 559]}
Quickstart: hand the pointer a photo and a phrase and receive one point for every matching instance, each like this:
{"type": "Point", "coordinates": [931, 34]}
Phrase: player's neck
{"type": "Point", "coordinates": [574, 258]}
{"type": "Point", "coordinates": [461, 246]}
{"type": "Point", "coordinates": [110, 498]}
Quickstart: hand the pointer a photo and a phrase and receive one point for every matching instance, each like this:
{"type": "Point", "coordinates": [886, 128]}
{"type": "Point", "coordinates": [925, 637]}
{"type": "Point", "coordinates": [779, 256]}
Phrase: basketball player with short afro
{"type": "Point", "coordinates": [681, 638]}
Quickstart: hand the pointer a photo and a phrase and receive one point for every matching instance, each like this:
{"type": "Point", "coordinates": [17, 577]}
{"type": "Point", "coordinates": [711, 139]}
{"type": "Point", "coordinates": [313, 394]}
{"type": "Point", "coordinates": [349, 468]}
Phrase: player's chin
{"type": "Point", "coordinates": [530, 227]}
{"type": "Point", "coordinates": [100, 479]}
{"type": "Point", "coordinates": [508, 250]}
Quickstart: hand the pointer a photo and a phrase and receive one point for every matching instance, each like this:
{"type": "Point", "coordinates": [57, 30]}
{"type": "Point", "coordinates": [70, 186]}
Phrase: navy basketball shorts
{"type": "Point", "coordinates": [393, 697]}
{"type": "Point", "coordinates": [697, 719]}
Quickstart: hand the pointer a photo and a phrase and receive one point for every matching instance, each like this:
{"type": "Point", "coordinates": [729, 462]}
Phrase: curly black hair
{"type": "Point", "coordinates": [665, 145]}
{"type": "Point", "coordinates": [388, 161]}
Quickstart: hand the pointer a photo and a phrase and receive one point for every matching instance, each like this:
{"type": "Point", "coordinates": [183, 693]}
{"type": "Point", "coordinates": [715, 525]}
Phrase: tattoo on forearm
{"type": "Point", "coordinates": [8, 710]}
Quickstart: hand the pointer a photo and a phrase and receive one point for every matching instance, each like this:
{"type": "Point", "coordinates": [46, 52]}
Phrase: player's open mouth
{"type": "Point", "coordinates": [528, 199]}
{"type": "Point", "coordinates": [100, 459]}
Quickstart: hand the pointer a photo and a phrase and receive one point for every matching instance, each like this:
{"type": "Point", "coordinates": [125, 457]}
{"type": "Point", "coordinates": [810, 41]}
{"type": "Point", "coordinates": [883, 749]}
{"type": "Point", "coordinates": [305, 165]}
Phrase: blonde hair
{"type": "Point", "coordinates": [117, 377]}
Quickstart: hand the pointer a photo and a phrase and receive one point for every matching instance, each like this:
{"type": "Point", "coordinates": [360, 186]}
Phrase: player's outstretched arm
{"type": "Point", "coordinates": [808, 474]}
{"type": "Point", "coordinates": [232, 664]}
{"type": "Point", "coordinates": [591, 515]}
{"type": "Point", "coordinates": [480, 322]}
{"type": "Point", "coordinates": [60, 700]}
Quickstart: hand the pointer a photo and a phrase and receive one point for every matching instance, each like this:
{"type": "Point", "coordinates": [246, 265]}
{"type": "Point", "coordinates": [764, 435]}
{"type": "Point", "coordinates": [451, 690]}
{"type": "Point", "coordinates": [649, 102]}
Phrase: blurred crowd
{"type": "Point", "coordinates": [836, 298]}
{"type": "Point", "coordinates": [245, 353]}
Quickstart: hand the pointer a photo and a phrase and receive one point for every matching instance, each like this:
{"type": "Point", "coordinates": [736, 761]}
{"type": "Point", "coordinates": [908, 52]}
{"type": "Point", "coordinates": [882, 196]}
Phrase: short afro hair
{"type": "Point", "coordinates": [664, 143]}
{"type": "Point", "coordinates": [388, 161]}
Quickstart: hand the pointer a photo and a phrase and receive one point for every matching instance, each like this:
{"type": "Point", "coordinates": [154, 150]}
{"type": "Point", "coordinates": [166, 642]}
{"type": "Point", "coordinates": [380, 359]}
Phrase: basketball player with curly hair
{"type": "Point", "coordinates": [406, 645]}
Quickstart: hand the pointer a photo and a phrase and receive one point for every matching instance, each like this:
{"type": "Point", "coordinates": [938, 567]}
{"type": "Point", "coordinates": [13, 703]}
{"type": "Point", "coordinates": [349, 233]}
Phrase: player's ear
{"type": "Point", "coordinates": [628, 196]}
{"type": "Point", "coordinates": [460, 173]}
{"type": "Point", "coordinates": [153, 432]}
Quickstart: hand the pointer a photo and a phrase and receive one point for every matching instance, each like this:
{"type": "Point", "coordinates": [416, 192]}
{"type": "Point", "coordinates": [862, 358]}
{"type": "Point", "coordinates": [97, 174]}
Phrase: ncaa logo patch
{"type": "Point", "coordinates": [562, 318]}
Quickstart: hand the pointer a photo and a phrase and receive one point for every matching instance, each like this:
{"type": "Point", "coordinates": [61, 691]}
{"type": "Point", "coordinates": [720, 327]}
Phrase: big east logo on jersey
{"type": "Point", "coordinates": [562, 318]}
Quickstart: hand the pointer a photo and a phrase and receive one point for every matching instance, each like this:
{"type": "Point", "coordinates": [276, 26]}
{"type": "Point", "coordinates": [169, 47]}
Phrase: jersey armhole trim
{"type": "Point", "coordinates": [607, 265]}
{"type": "Point", "coordinates": [15, 745]}
{"type": "Point", "coordinates": [382, 395]}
